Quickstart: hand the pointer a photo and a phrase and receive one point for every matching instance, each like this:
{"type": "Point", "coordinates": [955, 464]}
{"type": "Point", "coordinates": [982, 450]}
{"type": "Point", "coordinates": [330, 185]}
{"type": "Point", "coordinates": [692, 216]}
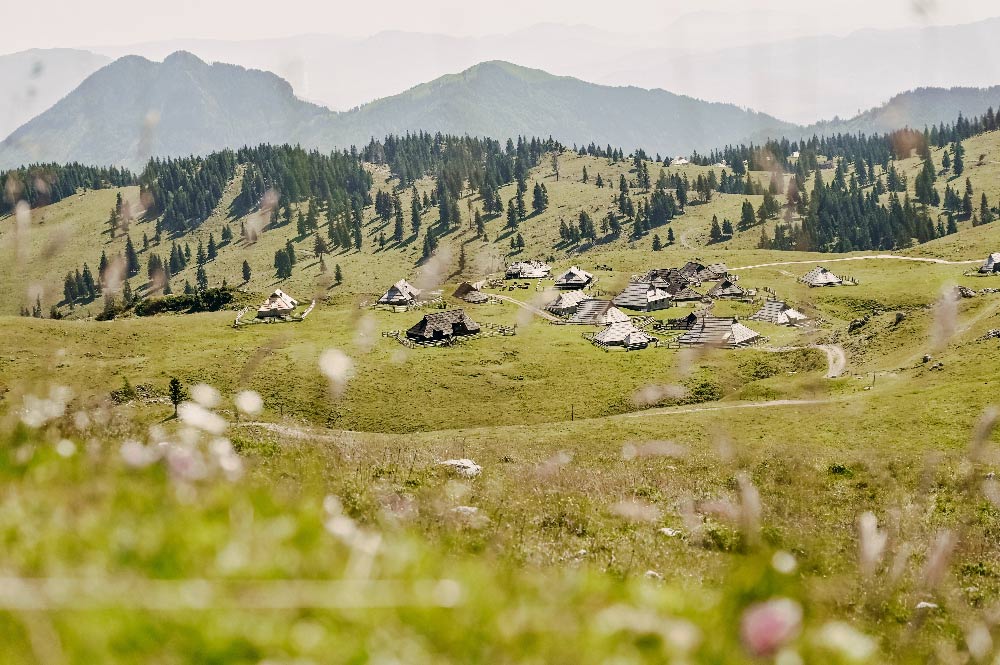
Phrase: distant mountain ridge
{"type": "Point", "coordinates": [502, 100]}
{"type": "Point", "coordinates": [135, 108]}
{"type": "Point", "coordinates": [32, 81]}
{"type": "Point", "coordinates": [915, 109]}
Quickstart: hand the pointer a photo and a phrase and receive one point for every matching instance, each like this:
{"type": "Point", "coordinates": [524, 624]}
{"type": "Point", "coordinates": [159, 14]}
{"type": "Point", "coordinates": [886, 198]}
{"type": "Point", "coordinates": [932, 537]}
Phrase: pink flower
{"type": "Point", "coordinates": [768, 626]}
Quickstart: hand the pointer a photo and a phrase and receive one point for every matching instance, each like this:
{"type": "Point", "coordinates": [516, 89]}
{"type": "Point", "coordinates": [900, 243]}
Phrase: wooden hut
{"type": "Point", "coordinates": [444, 325]}
{"type": "Point", "coordinates": [593, 312]}
{"type": "Point", "coordinates": [779, 313]}
{"type": "Point", "coordinates": [643, 297]}
{"type": "Point", "coordinates": [722, 332]}
{"type": "Point", "coordinates": [820, 276]}
{"type": "Point", "coordinates": [277, 305]}
{"type": "Point", "coordinates": [528, 270]}
{"type": "Point", "coordinates": [624, 334]}
{"type": "Point", "coordinates": [400, 293]}
{"type": "Point", "coordinates": [726, 289]}
{"type": "Point", "coordinates": [567, 303]}
{"type": "Point", "coordinates": [574, 278]}
{"type": "Point", "coordinates": [991, 264]}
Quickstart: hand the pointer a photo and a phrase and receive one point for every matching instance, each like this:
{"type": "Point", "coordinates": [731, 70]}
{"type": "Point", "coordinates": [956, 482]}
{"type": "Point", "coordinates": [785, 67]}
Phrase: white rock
{"type": "Point", "coordinates": [465, 510]}
{"type": "Point", "coordinates": [653, 575]}
{"type": "Point", "coordinates": [667, 531]}
{"type": "Point", "coordinates": [924, 605]}
{"type": "Point", "coordinates": [463, 467]}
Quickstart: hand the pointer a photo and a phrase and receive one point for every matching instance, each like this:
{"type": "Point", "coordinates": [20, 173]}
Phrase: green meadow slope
{"type": "Point", "coordinates": [631, 506]}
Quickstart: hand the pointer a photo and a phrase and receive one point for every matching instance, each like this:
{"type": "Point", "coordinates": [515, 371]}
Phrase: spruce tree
{"type": "Point", "coordinates": [246, 272]}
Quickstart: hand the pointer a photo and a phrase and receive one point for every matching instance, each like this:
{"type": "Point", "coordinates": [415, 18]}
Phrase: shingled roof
{"type": "Point", "coordinates": [779, 313]}
{"type": "Point", "coordinates": [400, 293]}
{"type": "Point", "coordinates": [443, 325]}
{"type": "Point", "coordinates": [527, 270]}
{"type": "Point", "coordinates": [278, 303]}
{"type": "Point", "coordinates": [623, 334]}
{"type": "Point", "coordinates": [726, 289]}
{"type": "Point", "coordinates": [723, 332]}
{"type": "Point", "coordinates": [992, 263]}
{"type": "Point", "coordinates": [594, 312]}
{"type": "Point", "coordinates": [567, 302]}
{"type": "Point", "coordinates": [574, 278]}
{"type": "Point", "coordinates": [820, 276]}
{"type": "Point", "coordinates": [642, 296]}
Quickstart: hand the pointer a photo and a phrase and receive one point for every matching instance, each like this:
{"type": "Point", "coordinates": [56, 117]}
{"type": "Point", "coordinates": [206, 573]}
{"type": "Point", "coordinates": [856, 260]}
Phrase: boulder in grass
{"type": "Point", "coordinates": [462, 467]}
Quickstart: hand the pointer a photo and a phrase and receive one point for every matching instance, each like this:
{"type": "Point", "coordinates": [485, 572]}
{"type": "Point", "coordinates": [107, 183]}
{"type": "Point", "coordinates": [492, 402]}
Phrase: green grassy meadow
{"type": "Point", "coordinates": [632, 506]}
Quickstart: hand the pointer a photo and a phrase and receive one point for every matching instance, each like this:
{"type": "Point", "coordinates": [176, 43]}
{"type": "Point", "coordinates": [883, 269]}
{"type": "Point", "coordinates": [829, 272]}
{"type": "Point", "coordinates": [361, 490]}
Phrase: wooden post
{"type": "Point", "coordinates": [572, 412]}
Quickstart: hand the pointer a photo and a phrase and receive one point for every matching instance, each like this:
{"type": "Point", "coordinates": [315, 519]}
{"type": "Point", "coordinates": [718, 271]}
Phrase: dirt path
{"type": "Point", "coordinates": [531, 308]}
{"type": "Point", "coordinates": [860, 258]}
{"type": "Point", "coordinates": [673, 410]}
{"type": "Point", "coordinates": [836, 359]}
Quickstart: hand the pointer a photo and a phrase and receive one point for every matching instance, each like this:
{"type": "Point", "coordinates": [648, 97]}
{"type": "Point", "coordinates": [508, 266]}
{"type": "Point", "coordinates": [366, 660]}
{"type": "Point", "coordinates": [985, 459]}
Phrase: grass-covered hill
{"type": "Point", "coordinates": [632, 506]}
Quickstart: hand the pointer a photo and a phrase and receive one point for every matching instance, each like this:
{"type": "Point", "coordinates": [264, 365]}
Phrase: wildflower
{"type": "Point", "coordinates": [766, 627]}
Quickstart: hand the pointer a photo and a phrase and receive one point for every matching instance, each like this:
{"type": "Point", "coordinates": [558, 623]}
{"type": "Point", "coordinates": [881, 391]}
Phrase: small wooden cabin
{"type": "Point", "coordinates": [277, 305]}
{"type": "Point", "coordinates": [444, 325]}
{"type": "Point", "coordinates": [574, 278]}
{"type": "Point", "coordinates": [400, 293]}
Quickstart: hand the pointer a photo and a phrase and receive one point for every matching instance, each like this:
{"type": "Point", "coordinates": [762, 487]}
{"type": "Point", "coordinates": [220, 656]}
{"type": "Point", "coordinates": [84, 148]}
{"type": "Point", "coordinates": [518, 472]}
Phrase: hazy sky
{"type": "Point", "coordinates": [691, 22]}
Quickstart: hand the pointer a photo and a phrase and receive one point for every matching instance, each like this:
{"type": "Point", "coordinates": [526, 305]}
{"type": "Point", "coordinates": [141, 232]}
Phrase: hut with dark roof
{"type": "Point", "coordinates": [726, 289]}
{"type": "Point", "coordinates": [642, 296]}
{"type": "Point", "coordinates": [439, 326]}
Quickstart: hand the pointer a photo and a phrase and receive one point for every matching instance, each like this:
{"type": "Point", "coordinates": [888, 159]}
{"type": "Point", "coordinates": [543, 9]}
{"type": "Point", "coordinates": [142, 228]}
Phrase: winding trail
{"type": "Point", "coordinates": [869, 257]}
{"type": "Point", "coordinates": [531, 308]}
{"type": "Point", "coordinates": [836, 357]}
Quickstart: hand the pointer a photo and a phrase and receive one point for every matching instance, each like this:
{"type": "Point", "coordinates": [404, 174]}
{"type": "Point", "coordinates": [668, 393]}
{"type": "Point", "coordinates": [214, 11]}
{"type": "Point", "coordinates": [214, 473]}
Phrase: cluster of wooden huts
{"type": "Point", "coordinates": [657, 289]}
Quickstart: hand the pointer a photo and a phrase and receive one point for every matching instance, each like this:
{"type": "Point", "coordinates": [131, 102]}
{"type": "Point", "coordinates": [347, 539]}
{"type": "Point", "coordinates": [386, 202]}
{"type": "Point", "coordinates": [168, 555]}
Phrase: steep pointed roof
{"type": "Point", "coordinates": [567, 301]}
{"type": "Point", "coordinates": [820, 276]}
{"type": "Point", "coordinates": [623, 333]}
{"type": "Point", "coordinates": [640, 295]}
{"type": "Point", "coordinates": [438, 325]}
{"type": "Point", "coordinates": [779, 313]}
{"type": "Point", "coordinates": [277, 304]}
{"type": "Point", "coordinates": [726, 289]}
{"type": "Point", "coordinates": [574, 277]}
{"type": "Point", "coordinates": [992, 263]}
{"type": "Point", "coordinates": [400, 293]}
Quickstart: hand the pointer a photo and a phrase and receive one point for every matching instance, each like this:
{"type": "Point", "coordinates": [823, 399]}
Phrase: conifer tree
{"type": "Point", "coordinates": [715, 233]}
{"type": "Point", "coordinates": [201, 278]}
{"type": "Point", "coordinates": [338, 276]}
{"type": "Point", "coordinates": [246, 272]}
{"type": "Point", "coordinates": [131, 258]}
